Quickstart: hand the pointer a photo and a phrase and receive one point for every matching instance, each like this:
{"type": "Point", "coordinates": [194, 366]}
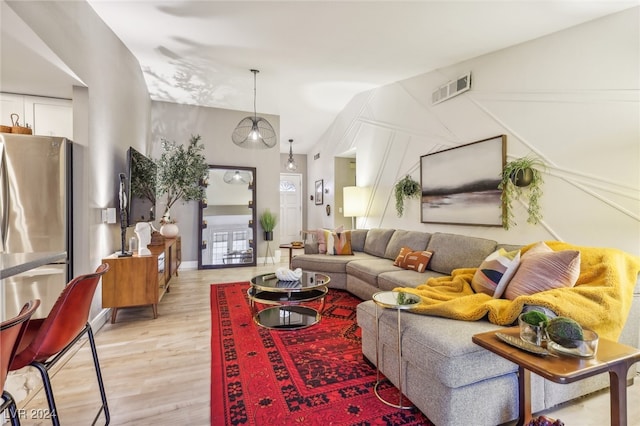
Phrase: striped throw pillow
{"type": "Point", "coordinates": [543, 269]}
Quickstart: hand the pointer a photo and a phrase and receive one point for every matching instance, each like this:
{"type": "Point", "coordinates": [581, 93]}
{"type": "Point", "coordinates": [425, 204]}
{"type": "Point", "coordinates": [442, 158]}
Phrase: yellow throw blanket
{"type": "Point", "coordinates": [600, 300]}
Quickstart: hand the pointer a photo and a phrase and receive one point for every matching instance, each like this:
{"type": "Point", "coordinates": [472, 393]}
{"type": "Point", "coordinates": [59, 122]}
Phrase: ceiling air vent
{"type": "Point", "coordinates": [451, 89]}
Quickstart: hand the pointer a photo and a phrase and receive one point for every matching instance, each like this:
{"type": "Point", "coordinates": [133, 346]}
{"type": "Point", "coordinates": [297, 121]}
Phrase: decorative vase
{"type": "Point", "coordinates": [169, 230]}
{"type": "Point", "coordinates": [268, 235]}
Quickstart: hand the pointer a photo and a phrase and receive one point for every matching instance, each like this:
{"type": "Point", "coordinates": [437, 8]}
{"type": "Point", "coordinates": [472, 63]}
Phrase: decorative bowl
{"type": "Point", "coordinates": [585, 348]}
{"type": "Point", "coordinates": [531, 333]}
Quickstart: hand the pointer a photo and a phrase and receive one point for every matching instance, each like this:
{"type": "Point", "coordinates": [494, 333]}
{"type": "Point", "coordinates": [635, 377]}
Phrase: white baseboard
{"type": "Point", "coordinates": [188, 265]}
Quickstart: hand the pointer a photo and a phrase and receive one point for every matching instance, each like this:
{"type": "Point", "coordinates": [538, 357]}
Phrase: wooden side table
{"type": "Point", "coordinates": [611, 357]}
{"type": "Point", "coordinates": [291, 247]}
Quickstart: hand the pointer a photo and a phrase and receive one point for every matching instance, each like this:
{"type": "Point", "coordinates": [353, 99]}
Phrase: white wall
{"type": "Point", "coordinates": [109, 115]}
{"type": "Point", "coordinates": [177, 122]}
{"type": "Point", "coordinates": [571, 98]}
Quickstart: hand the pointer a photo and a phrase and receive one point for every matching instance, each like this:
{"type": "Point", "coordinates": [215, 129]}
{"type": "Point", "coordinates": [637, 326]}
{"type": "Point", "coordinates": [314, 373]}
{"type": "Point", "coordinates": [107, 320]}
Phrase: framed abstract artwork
{"type": "Point", "coordinates": [460, 185]}
{"type": "Point", "coordinates": [319, 192]}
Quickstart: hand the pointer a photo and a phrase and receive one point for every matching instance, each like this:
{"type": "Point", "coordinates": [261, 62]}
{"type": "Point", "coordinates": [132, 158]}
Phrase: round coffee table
{"type": "Point", "coordinates": [287, 301]}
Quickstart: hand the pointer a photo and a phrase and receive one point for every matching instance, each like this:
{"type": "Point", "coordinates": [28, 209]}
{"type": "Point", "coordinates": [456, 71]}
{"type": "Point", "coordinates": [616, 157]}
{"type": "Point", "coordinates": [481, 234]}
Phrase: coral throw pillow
{"type": "Point", "coordinates": [413, 260]}
{"type": "Point", "coordinates": [404, 251]}
{"type": "Point", "coordinates": [495, 272]}
{"type": "Point", "coordinates": [542, 269]}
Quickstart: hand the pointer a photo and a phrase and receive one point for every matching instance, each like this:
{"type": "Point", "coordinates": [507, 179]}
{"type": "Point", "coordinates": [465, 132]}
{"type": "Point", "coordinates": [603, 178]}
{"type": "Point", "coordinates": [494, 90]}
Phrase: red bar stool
{"type": "Point", "coordinates": [46, 340]}
{"type": "Point", "coordinates": [11, 332]}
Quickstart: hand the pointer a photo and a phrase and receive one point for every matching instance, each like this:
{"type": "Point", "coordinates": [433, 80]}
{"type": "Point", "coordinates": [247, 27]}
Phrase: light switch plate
{"type": "Point", "coordinates": [109, 215]}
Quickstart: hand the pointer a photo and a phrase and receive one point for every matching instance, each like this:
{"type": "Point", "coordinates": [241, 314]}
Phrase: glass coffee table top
{"type": "Point", "coordinates": [308, 281]}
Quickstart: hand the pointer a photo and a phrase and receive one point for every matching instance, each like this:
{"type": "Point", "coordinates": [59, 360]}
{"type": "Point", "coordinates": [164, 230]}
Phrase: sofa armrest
{"type": "Point", "coordinates": [311, 248]}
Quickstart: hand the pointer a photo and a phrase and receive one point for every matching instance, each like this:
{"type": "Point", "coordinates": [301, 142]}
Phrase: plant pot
{"type": "Point", "coordinates": [522, 178]}
{"type": "Point", "coordinates": [169, 230]}
{"type": "Point", "coordinates": [268, 235]}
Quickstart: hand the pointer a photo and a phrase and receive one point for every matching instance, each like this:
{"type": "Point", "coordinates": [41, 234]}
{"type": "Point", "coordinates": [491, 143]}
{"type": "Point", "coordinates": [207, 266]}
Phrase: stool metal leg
{"type": "Point", "coordinates": [46, 381]}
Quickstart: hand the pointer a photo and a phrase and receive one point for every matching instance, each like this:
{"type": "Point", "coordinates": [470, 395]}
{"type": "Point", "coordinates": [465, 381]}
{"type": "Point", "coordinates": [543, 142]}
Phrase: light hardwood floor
{"type": "Point", "coordinates": [157, 372]}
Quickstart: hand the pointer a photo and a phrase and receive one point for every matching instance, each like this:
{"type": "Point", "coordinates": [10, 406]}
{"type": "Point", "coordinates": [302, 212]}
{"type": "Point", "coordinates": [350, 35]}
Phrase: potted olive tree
{"type": "Point", "coordinates": [180, 173]}
{"type": "Point", "coordinates": [521, 178]}
{"type": "Point", "coordinates": [405, 188]}
{"type": "Point", "coordinates": [268, 221]}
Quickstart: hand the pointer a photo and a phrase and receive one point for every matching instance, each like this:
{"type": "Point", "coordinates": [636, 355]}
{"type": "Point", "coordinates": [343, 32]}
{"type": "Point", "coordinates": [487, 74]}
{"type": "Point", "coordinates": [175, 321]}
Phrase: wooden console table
{"type": "Point", "coordinates": [140, 280]}
{"type": "Point", "coordinates": [612, 357]}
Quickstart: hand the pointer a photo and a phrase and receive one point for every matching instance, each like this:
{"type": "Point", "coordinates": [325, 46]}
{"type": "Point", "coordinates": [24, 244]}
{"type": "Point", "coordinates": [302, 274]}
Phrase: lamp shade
{"type": "Point", "coordinates": [237, 177]}
{"type": "Point", "coordinates": [291, 164]}
{"type": "Point", "coordinates": [254, 133]}
{"type": "Point", "coordinates": [355, 201]}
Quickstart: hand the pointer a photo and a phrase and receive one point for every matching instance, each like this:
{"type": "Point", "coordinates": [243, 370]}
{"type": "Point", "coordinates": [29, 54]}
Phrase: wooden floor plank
{"type": "Point", "coordinates": [157, 372]}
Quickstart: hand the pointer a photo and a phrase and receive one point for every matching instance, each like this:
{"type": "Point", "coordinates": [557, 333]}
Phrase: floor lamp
{"type": "Point", "coordinates": [355, 199]}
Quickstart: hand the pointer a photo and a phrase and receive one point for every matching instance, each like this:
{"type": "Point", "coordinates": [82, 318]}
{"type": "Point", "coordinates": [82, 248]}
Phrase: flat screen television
{"type": "Point", "coordinates": [141, 188]}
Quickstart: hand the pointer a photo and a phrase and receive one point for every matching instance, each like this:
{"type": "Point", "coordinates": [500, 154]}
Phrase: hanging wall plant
{"type": "Point", "coordinates": [405, 188]}
{"type": "Point", "coordinates": [521, 177]}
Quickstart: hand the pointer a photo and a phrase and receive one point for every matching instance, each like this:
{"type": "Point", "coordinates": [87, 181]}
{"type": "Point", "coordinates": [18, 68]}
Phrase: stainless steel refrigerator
{"type": "Point", "coordinates": [35, 216]}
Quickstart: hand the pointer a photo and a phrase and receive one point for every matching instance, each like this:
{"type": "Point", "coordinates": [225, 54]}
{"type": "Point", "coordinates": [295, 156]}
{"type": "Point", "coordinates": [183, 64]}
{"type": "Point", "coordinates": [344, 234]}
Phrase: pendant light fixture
{"type": "Point", "coordinates": [254, 132]}
{"type": "Point", "coordinates": [291, 164]}
{"type": "Point", "coordinates": [237, 177]}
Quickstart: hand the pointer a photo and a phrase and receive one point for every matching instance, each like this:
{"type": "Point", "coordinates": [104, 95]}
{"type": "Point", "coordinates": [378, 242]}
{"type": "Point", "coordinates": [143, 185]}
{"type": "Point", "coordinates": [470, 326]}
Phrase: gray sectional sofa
{"type": "Point", "coordinates": [449, 378]}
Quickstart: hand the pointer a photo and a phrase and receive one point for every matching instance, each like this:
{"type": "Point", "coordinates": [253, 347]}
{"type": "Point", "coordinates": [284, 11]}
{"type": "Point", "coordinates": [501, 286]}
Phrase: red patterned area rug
{"type": "Point", "coordinates": [314, 376]}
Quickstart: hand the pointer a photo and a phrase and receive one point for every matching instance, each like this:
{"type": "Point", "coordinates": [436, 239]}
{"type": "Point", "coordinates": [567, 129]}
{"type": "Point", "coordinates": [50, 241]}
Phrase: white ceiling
{"type": "Point", "coordinates": [314, 56]}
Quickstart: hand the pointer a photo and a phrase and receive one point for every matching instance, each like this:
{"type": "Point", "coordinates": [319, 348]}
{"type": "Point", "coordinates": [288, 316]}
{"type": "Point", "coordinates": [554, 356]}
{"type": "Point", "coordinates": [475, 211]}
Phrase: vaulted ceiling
{"type": "Point", "coordinates": [314, 56]}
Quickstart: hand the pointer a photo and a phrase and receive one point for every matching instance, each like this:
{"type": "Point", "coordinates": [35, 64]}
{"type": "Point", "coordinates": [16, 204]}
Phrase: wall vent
{"type": "Point", "coordinates": [451, 89]}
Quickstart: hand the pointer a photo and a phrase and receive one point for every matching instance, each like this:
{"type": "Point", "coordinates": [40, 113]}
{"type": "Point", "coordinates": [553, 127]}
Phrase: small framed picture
{"type": "Point", "coordinates": [319, 192]}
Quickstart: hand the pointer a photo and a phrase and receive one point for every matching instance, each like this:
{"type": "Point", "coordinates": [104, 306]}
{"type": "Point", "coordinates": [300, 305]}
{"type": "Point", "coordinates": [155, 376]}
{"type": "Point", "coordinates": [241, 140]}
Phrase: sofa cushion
{"type": "Point", "coordinates": [377, 240]}
{"type": "Point", "coordinates": [542, 269]}
{"type": "Point", "coordinates": [495, 272]}
{"type": "Point", "coordinates": [452, 251]}
{"type": "Point", "coordinates": [311, 248]}
{"type": "Point", "coordinates": [441, 345]}
{"type": "Point", "coordinates": [324, 263]}
{"type": "Point", "coordinates": [509, 247]}
{"type": "Point", "coordinates": [357, 239]}
{"type": "Point", "coordinates": [388, 281]}
{"type": "Point", "coordinates": [415, 240]}
{"type": "Point", "coordinates": [369, 269]}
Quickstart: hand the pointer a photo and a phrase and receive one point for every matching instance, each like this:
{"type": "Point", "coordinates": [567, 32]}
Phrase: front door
{"type": "Point", "coordinates": [290, 207]}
